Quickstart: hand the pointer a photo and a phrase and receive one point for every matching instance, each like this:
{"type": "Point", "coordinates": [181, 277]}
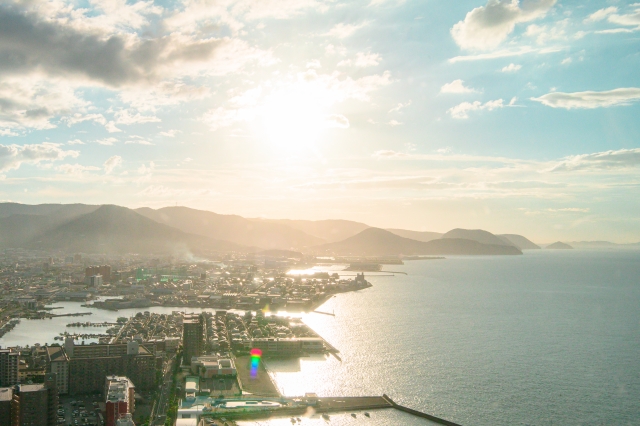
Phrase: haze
{"type": "Point", "coordinates": [511, 117]}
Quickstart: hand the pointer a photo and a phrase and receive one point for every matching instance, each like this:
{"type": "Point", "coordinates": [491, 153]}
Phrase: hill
{"type": "Point", "coordinates": [519, 241]}
{"type": "Point", "coordinates": [559, 246]}
{"type": "Point", "coordinates": [416, 235]}
{"type": "Point", "coordinates": [236, 229]}
{"type": "Point", "coordinates": [114, 229]}
{"type": "Point", "coordinates": [479, 235]}
{"type": "Point", "coordinates": [326, 230]}
{"type": "Point", "coordinates": [379, 242]}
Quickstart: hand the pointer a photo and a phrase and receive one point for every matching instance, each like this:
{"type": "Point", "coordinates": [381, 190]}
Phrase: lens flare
{"type": "Point", "coordinates": [256, 354]}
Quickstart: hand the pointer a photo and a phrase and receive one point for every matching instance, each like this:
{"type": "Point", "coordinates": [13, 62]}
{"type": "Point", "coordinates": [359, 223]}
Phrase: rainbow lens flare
{"type": "Point", "coordinates": [256, 354]}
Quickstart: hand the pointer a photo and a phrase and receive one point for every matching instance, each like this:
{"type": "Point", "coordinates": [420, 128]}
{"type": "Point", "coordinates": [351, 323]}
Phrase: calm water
{"type": "Point", "coordinates": [540, 339]}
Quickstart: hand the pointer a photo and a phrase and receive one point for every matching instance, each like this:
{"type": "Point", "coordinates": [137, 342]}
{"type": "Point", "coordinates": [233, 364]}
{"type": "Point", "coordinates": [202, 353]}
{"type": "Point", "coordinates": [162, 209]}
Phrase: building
{"type": "Point", "coordinates": [125, 420]}
{"type": "Point", "coordinates": [209, 367]}
{"type": "Point", "coordinates": [289, 347]}
{"type": "Point", "coordinates": [9, 362]}
{"type": "Point", "coordinates": [193, 328]}
{"type": "Point", "coordinates": [58, 363]}
{"type": "Point", "coordinates": [6, 395]}
{"type": "Point", "coordinates": [119, 398]}
{"type": "Point", "coordinates": [104, 270]}
{"type": "Point", "coordinates": [35, 405]}
{"type": "Point", "coordinates": [93, 280]}
{"type": "Point", "coordinates": [90, 364]}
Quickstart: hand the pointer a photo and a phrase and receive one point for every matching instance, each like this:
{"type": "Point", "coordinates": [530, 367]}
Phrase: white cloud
{"type": "Point", "coordinates": [387, 153]}
{"type": "Point", "coordinates": [314, 64]}
{"type": "Point", "coordinates": [461, 111]}
{"type": "Point", "coordinates": [512, 68]}
{"type": "Point", "coordinates": [138, 142]}
{"type": "Point", "coordinates": [112, 163]}
{"type": "Point", "coordinates": [75, 142]}
{"type": "Point", "coordinates": [107, 141]}
{"type": "Point", "coordinates": [124, 116]}
{"type": "Point", "coordinates": [170, 133]}
{"type": "Point", "coordinates": [456, 86]}
{"type": "Point", "coordinates": [506, 53]}
{"type": "Point", "coordinates": [362, 60]}
{"type": "Point", "coordinates": [12, 156]}
{"type": "Point", "coordinates": [400, 107]}
{"type": "Point", "coordinates": [601, 14]}
{"type": "Point", "coordinates": [344, 30]}
{"type": "Point", "coordinates": [394, 123]}
{"type": "Point", "coordinates": [384, 2]}
{"type": "Point", "coordinates": [337, 121]}
{"type": "Point", "coordinates": [111, 127]}
{"type": "Point", "coordinates": [590, 99]}
{"type": "Point", "coordinates": [620, 159]}
{"type": "Point", "coordinates": [485, 27]}
{"type": "Point", "coordinates": [75, 169]}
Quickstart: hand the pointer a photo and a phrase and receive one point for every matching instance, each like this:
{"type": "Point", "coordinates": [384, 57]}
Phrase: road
{"type": "Point", "coordinates": [159, 415]}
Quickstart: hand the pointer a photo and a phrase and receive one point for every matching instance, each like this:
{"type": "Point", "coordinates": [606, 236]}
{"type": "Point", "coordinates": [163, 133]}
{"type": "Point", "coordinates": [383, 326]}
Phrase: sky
{"type": "Point", "coordinates": [510, 116]}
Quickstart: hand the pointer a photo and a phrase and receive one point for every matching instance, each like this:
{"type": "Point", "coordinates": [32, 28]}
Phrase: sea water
{"type": "Point", "coordinates": [547, 338]}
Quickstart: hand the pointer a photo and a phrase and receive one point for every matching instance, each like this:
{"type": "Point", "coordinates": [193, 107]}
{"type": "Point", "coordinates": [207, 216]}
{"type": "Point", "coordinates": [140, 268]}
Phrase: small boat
{"type": "Point", "coordinates": [367, 414]}
{"type": "Point", "coordinates": [299, 419]}
{"type": "Point", "coordinates": [353, 415]}
{"type": "Point", "coordinates": [325, 416]}
{"type": "Point", "coordinates": [293, 421]}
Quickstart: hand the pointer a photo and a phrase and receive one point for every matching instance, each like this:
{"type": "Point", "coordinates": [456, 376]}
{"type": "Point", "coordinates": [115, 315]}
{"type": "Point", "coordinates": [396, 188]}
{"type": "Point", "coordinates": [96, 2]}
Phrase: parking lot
{"type": "Point", "coordinates": [80, 411]}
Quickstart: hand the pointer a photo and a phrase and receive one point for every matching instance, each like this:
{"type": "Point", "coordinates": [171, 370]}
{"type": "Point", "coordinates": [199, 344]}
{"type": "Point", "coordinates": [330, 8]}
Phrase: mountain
{"type": "Point", "coordinates": [559, 246]}
{"type": "Point", "coordinates": [483, 237]}
{"type": "Point", "coordinates": [417, 235]}
{"type": "Point", "coordinates": [236, 229]}
{"type": "Point", "coordinates": [519, 241]}
{"type": "Point", "coordinates": [114, 229]}
{"type": "Point", "coordinates": [327, 230]}
{"type": "Point", "coordinates": [379, 242]}
{"type": "Point", "coordinates": [61, 211]}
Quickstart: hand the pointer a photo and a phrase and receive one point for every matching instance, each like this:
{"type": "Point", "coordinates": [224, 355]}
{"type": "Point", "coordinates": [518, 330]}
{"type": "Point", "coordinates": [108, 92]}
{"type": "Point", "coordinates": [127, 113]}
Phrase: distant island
{"type": "Point", "coordinates": [558, 245]}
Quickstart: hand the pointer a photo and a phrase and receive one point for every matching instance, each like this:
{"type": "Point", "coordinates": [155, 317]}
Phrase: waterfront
{"type": "Point", "coordinates": [545, 338]}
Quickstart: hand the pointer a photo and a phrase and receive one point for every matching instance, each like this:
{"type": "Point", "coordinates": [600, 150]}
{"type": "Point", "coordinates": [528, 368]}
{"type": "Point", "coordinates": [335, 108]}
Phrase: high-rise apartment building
{"type": "Point", "coordinates": [35, 405]}
{"type": "Point", "coordinates": [193, 327]}
{"type": "Point", "coordinates": [104, 270]}
{"type": "Point", "coordinates": [119, 398]}
{"type": "Point", "coordinates": [6, 395]}
{"type": "Point", "coordinates": [58, 363]}
{"type": "Point", "coordinates": [9, 361]}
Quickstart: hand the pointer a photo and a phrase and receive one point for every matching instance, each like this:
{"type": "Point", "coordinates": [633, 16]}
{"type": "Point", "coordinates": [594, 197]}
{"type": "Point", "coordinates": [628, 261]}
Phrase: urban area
{"type": "Point", "coordinates": [198, 363]}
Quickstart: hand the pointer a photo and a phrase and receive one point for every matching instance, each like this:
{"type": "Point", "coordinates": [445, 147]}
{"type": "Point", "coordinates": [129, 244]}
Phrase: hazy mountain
{"type": "Point", "coordinates": [236, 229]}
{"type": "Point", "coordinates": [559, 246]}
{"type": "Point", "coordinates": [61, 211]}
{"type": "Point", "coordinates": [416, 235]}
{"type": "Point", "coordinates": [327, 230]}
{"type": "Point", "coordinates": [519, 241]}
{"type": "Point", "coordinates": [379, 242]}
{"type": "Point", "coordinates": [593, 244]}
{"type": "Point", "coordinates": [114, 229]}
{"type": "Point", "coordinates": [478, 235]}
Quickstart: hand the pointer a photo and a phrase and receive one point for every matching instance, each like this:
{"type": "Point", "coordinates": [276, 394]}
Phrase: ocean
{"type": "Point", "coordinates": [547, 338]}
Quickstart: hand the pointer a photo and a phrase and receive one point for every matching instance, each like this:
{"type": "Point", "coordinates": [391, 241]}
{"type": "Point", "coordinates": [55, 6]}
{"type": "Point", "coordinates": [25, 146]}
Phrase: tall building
{"type": "Point", "coordinates": [125, 420]}
{"type": "Point", "coordinates": [119, 398]}
{"type": "Point", "coordinates": [90, 364]}
{"type": "Point", "coordinates": [104, 270]}
{"type": "Point", "coordinates": [192, 337]}
{"type": "Point", "coordinates": [9, 361]}
{"type": "Point", "coordinates": [6, 395]}
{"type": "Point", "coordinates": [35, 405]}
{"type": "Point", "coordinates": [94, 280]}
{"type": "Point", "coordinates": [58, 363]}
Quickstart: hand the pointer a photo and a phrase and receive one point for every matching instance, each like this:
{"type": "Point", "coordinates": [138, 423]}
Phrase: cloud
{"type": "Point", "coordinates": [107, 141]}
{"type": "Point", "coordinates": [456, 86]}
{"type": "Point", "coordinates": [601, 14]}
{"type": "Point", "coordinates": [75, 169]}
{"type": "Point", "coordinates": [67, 48]}
{"type": "Point", "coordinates": [362, 60]}
{"type": "Point", "coordinates": [461, 111]}
{"type": "Point", "coordinates": [506, 53]}
{"type": "Point", "coordinates": [511, 68]}
{"type": "Point", "coordinates": [75, 142]}
{"type": "Point", "coordinates": [13, 156]}
{"type": "Point", "coordinates": [394, 123]}
{"type": "Point", "coordinates": [138, 142]}
{"type": "Point", "coordinates": [111, 127]}
{"type": "Point", "coordinates": [112, 163]}
{"type": "Point", "coordinates": [337, 121]}
{"type": "Point", "coordinates": [344, 30]}
{"type": "Point", "coordinates": [170, 133]}
{"type": "Point", "coordinates": [384, 2]}
{"type": "Point", "coordinates": [485, 27]}
{"type": "Point", "coordinates": [400, 107]}
{"type": "Point", "coordinates": [590, 99]}
{"type": "Point", "coordinates": [125, 117]}
{"type": "Point", "coordinates": [387, 153]}
{"type": "Point", "coordinates": [606, 160]}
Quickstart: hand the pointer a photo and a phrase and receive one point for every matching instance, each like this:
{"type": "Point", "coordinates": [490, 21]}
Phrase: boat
{"type": "Point", "coordinates": [353, 415]}
{"type": "Point", "coordinates": [293, 421]}
{"type": "Point", "coordinates": [367, 414]}
{"type": "Point", "coordinates": [325, 416]}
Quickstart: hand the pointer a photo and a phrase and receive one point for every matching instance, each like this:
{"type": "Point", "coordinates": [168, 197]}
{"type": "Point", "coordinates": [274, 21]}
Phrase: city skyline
{"type": "Point", "coordinates": [514, 117]}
